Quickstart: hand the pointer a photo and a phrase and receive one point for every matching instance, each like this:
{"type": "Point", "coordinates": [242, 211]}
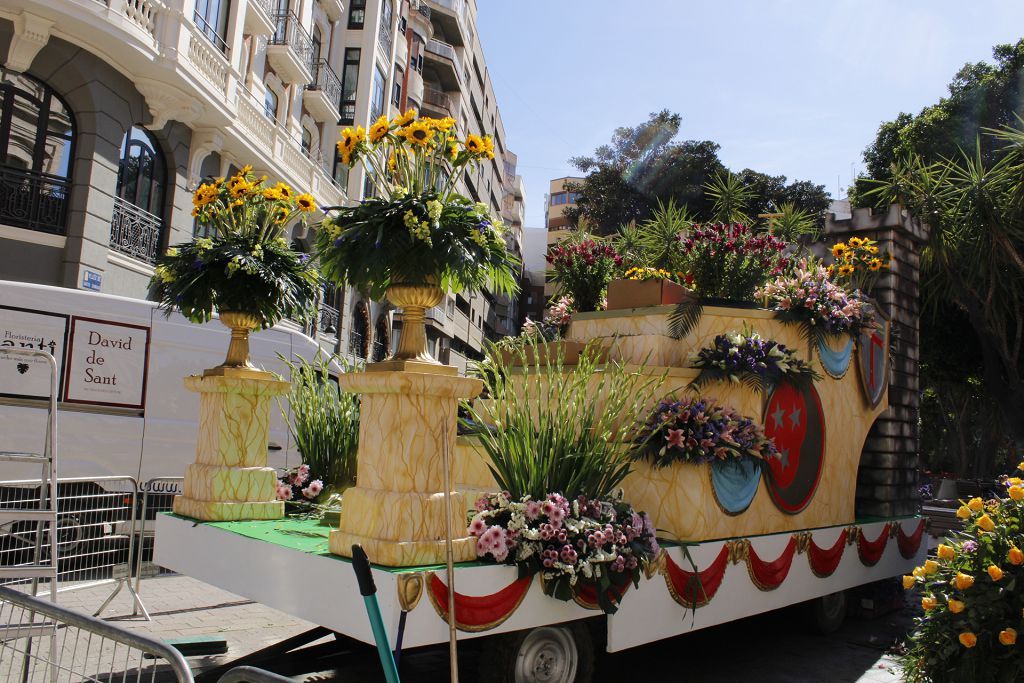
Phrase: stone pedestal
{"type": "Point", "coordinates": [230, 479]}
{"type": "Point", "coordinates": [396, 511]}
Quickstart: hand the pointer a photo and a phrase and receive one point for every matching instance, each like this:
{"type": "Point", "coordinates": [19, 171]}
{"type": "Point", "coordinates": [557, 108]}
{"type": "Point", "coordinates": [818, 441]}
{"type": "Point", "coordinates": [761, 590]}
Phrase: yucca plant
{"type": "Point", "coordinates": [792, 223]}
{"type": "Point", "coordinates": [731, 198]}
{"type": "Point", "coordinates": [661, 235]}
{"type": "Point", "coordinates": [324, 420]}
{"type": "Point", "coordinates": [556, 428]}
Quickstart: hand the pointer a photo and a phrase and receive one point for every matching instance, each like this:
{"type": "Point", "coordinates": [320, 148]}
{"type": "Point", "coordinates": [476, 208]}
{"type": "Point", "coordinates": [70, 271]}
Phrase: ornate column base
{"type": "Point", "coordinates": [397, 510]}
{"type": "Point", "coordinates": [230, 480]}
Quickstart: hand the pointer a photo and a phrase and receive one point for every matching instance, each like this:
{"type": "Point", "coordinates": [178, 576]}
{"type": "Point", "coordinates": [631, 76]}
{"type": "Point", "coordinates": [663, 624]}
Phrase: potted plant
{"type": "Point", "coordinates": [643, 286]}
{"type": "Point", "coordinates": [417, 238]}
{"type": "Point", "coordinates": [581, 267]}
{"type": "Point", "coordinates": [245, 270]}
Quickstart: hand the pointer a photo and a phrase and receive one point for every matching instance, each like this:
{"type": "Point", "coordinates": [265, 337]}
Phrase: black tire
{"type": "Point", "coordinates": [562, 653]}
{"type": "Point", "coordinates": [826, 614]}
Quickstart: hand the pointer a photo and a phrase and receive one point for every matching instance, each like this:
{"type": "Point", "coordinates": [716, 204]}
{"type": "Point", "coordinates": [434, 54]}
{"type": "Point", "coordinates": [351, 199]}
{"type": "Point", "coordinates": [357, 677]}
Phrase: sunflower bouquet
{"type": "Point", "coordinates": [417, 229]}
{"type": "Point", "coordinates": [858, 263]}
{"type": "Point", "coordinates": [246, 264]}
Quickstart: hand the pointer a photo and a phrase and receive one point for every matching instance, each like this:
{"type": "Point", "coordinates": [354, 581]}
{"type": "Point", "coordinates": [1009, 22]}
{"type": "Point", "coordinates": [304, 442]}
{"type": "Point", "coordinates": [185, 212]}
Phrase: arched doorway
{"type": "Point", "coordinates": [137, 226]}
{"type": "Point", "coordinates": [381, 339]}
{"type": "Point", "coordinates": [359, 335]}
{"type": "Point", "coordinates": [37, 134]}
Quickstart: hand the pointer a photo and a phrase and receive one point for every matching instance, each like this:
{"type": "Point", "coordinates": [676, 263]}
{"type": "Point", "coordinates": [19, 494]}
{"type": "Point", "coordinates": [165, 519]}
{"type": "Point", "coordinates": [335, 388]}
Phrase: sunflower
{"type": "Point", "coordinates": [840, 250]}
{"type": "Point", "coordinates": [239, 187]}
{"type": "Point", "coordinates": [418, 133]}
{"type": "Point", "coordinates": [871, 249]}
{"type": "Point", "coordinates": [405, 119]}
{"type": "Point", "coordinates": [272, 194]}
{"type": "Point", "coordinates": [281, 215]}
{"type": "Point", "coordinates": [379, 129]}
{"type": "Point", "coordinates": [283, 191]}
{"type": "Point", "coordinates": [875, 264]}
{"type": "Point", "coordinates": [453, 151]}
{"type": "Point", "coordinates": [350, 139]}
{"type": "Point", "coordinates": [856, 242]}
{"type": "Point", "coordinates": [489, 147]}
{"type": "Point", "coordinates": [245, 170]}
{"type": "Point", "coordinates": [204, 194]}
{"type": "Point", "coordinates": [846, 269]}
{"type": "Point", "coordinates": [443, 125]}
{"type": "Point", "coordinates": [474, 144]}
{"type": "Point", "coordinates": [305, 202]}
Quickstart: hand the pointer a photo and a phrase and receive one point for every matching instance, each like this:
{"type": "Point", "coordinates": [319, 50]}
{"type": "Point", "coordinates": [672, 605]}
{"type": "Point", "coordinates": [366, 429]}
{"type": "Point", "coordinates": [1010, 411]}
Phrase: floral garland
{"type": "Point", "coordinates": [809, 296]}
{"type": "Point", "coordinates": [699, 430]}
{"type": "Point", "coordinates": [293, 485]}
{"type": "Point", "coordinates": [747, 357]}
{"type": "Point", "coordinates": [573, 544]}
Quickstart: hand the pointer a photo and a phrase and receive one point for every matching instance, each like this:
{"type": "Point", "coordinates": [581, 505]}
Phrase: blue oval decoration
{"type": "Point", "coordinates": [835, 363]}
{"type": "Point", "coordinates": [735, 482]}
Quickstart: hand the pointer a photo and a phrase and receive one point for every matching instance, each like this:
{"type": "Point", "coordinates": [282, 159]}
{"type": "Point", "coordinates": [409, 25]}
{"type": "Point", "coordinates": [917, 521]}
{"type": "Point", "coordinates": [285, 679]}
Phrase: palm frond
{"type": "Point", "coordinates": [684, 318]}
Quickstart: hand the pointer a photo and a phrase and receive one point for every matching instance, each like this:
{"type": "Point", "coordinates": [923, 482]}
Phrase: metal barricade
{"type": "Point", "coordinates": [95, 529]}
{"type": "Point", "coordinates": [41, 642]}
{"type": "Point", "coordinates": [250, 674]}
{"type": "Point", "coordinates": [157, 497]}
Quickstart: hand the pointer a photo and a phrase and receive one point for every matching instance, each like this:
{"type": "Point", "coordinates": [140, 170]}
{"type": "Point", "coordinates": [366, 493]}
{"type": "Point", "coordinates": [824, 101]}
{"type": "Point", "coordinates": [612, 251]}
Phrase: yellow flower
{"type": "Point", "coordinates": [928, 603]}
{"type": "Point", "coordinates": [489, 147]}
{"type": "Point", "coordinates": [875, 264]}
{"type": "Point", "coordinates": [956, 606]}
{"type": "Point", "coordinates": [418, 133]}
{"type": "Point", "coordinates": [856, 242]}
{"type": "Point", "coordinates": [379, 128]}
{"type": "Point", "coordinates": [195, 212]}
{"type": "Point", "coordinates": [474, 144]}
{"type": "Point", "coordinates": [995, 572]}
{"type": "Point", "coordinates": [283, 191]}
{"type": "Point", "coordinates": [931, 566]}
{"type": "Point", "coordinates": [405, 119]}
{"type": "Point", "coordinates": [846, 269]}
{"type": "Point", "coordinates": [453, 151]}
{"type": "Point", "coordinates": [963, 512]}
{"type": "Point", "coordinates": [272, 194]}
{"type": "Point", "coordinates": [164, 274]}
{"type": "Point", "coordinates": [1017, 492]}
{"type": "Point", "coordinates": [172, 251]}
{"type": "Point", "coordinates": [444, 125]}
{"type": "Point", "coordinates": [239, 187]}
{"type": "Point", "coordinates": [839, 250]}
{"type": "Point", "coordinates": [1008, 636]}
{"type": "Point", "coordinates": [985, 523]}
{"type": "Point", "coordinates": [963, 581]}
{"type": "Point", "coordinates": [945, 552]}
{"type": "Point", "coordinates": [871, 249]}
{"type": "Point", "coordinates": [1015, 481]}
{"type": "Point", "coordinates": [305, 202]}
{"type": "Point", "coordinates": [204, 194]}
{"type": "Point", "coordinates": [204, 243]}
{"type": "Point", "coordinates": [350, 139]}
{"type": "Point", "coordinates": [245, 170]}
{"type": "Point", "coordinates": [908, 582]}
{"type": "Point", "coordinates": [1020, 466]}
{"type": "Point", "coordinates": [976, 504]}
{"type": "Point", "coordinates": [968, 639]}
{"type": "Point", "coordinates": [918, 572]}
{"type": "Point", "coordinates": [1015, 557]}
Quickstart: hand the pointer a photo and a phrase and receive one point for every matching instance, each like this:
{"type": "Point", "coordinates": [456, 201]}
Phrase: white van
{"type": "Point", "coordinates": [123, 407]}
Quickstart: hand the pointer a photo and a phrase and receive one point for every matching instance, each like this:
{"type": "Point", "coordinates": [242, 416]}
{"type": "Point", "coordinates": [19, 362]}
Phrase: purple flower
{"type": "Point", "coordinates": [970, 546]}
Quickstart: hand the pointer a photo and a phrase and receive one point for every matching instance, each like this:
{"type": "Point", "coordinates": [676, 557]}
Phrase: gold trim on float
{"type": "Point", "coordinates": [410, 590]}
{"type": "Point", "coordinates": [402, 365]}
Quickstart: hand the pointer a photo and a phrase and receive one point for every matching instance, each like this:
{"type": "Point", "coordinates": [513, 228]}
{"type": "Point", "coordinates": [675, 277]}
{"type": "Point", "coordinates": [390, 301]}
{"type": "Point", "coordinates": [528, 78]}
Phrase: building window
{"type": "Point", "coordinates": [359, 336]}
{"type": "Point", "coordinates": [318, 43]}
{"type": "Point", "coordinates": [211, 18]}
{"type": "Point", "coordinates": [136, 228]}
{"type": "Point", "coordinates": [396, 88]}
{"type": "Point", "coordinates": [356, 13]}
{"type": "Point", "coordinates": [349, 79]}
{"type": "Point", "coordinates": [307, 140]}
{"type": "Point", "coordinates": [270, 103]}
{"type": "Point", "coordinates": [37, 132]}
{"type": "Point", "coordinates": [377, 103]}
{"type": "Point", "coordinates": [558, 198]}
{"type": "Point", "coordinates": [340, 171]}
{"type": "Point", "coordinates": [381, 339]}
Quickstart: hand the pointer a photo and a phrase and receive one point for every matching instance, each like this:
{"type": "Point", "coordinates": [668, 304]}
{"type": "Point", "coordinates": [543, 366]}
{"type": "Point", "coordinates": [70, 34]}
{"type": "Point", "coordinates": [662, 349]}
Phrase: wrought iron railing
{"type": "Point", "coordinates": [135, 232]}
{"type": "Point", "coordinates": [33, 200]}
{"type": "Point", "coordinates": [329, 318]}
{"type": "Point", "coordinates": [325, 80]}
{"type": "Point", "coordinates": [292, 33]}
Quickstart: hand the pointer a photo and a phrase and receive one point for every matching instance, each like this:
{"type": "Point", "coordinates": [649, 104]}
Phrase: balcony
{"type": "Point", "coordinates": [384, 39]}
{"type": "Point", "coordinates": [452, 16]}
{"type": "Point", "coordinates": [290, 49]}
{"type": "Point", "coordinates": [333, 9]}
{"type": "Point", "coordinates": [259, 18]}
{"type": "Point", "coordinates": [323, 94]}
{"type": "Point", "coordinates": [328, 320]}
{"type": "Point", "coordinates": [33, 200]}
{"type": "Point", "coordinates": [446, 59]}
{"type": "Point", "coordinates": [135, 232]}
{"type": "Point", "coordinates": [439, 102]}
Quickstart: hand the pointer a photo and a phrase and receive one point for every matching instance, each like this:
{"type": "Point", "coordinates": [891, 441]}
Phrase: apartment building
{"type": "Point", "coordinates": [557, 201]}
{"type": "Point", "coordinates": [112, 111]}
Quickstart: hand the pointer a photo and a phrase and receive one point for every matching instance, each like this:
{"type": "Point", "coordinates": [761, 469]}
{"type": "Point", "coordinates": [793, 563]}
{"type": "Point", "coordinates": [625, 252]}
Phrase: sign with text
{"type": "Point", "coordinates": [107, 364]}
{"type": "Point", "coordinates": [29, 377]}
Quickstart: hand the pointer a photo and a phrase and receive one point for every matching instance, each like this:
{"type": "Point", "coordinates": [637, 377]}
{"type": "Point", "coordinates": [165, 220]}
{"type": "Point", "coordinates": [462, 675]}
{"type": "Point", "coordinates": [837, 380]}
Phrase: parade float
{"type": "Point", "coordinates": [718, 437]}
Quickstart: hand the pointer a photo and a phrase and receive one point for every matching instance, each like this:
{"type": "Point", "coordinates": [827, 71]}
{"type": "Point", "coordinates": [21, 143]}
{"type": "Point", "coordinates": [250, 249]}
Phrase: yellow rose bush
{"type": "Point", "coordinates": [972, 599]}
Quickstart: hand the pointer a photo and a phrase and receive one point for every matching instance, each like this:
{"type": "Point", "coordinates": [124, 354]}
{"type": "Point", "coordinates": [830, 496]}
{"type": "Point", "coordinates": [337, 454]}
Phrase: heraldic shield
{"type": "Point", "coordinates": [873, 359]}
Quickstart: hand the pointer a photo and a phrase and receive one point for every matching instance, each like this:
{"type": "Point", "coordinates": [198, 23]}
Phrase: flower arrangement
{"type": "Point", "coordinates": [698, 430]}
{"type": "Point", "coordinates": [551, 328]}
{"type": "Point", "coordinates": [645, 273]}
{"type": "Point", "coordinates": [417, 230]}
{"type": "Point", "coordinates": [582, 270]}
{"type": "Point", "coordinates": [575, 544]}
{"type": "Point", "coordinates": [295, 485]}
{"type": "Point", "coordinates": [972, 597]}
{"type": "Point", "coordinates": [731, 261]}
{"type": "Point", "coordinates": [246, 264]}
{"type": "Point", "coordinates": [858, 263]}
{"type": "Point", "coordinates": [809, 296]}
{"type": "Point", "coordinates": [745, 356]}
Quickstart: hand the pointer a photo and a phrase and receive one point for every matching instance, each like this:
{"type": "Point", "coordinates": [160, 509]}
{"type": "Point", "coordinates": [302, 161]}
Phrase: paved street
{"type": "Point", "coordinates": [772, 648]}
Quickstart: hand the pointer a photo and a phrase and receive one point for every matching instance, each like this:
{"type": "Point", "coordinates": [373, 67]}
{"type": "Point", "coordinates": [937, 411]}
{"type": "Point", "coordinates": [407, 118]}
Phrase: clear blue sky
{"type": "Point", "coordinates": [796, 87]}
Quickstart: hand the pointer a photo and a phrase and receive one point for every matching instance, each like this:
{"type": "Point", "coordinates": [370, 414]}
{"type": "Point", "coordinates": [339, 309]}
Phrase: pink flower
{"type": "Point", "coordinates": [532, 510]}
{"type": "Point", "coordinates": [284, 491]}
{"type": "Point", "coordinates": [675, 438]}
{"type": "Point", "coordinates": [313, 490]}
{"type": "Point", "coordinates": [477, 526]}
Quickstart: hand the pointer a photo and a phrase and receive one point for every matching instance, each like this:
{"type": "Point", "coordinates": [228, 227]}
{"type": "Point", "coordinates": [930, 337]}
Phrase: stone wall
{"type": "Point", "coordinates": [887, 479]}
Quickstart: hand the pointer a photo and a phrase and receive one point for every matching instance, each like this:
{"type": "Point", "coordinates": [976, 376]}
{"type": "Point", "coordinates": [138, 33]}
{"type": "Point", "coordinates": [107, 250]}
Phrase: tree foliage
{"type": "Point", "coordinates": [645, 165]}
